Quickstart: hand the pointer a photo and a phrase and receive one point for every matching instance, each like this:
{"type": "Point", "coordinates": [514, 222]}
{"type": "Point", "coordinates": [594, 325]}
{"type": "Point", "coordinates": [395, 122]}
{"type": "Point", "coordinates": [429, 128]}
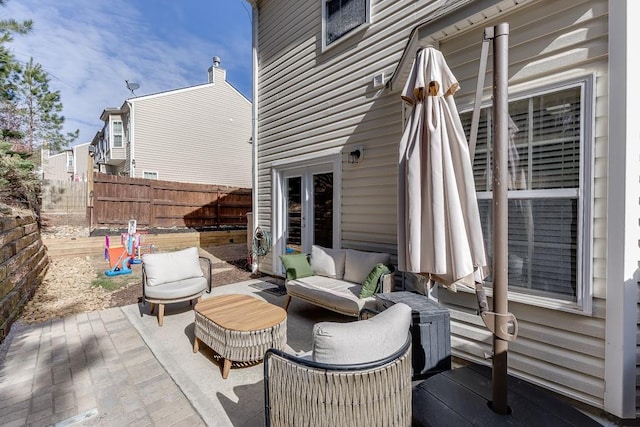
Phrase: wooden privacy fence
{"type": "Point", "coordinates": [115, 200]}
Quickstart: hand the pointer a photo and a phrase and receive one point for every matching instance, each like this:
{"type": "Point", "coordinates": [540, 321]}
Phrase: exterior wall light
{"type": "Point", "coordinates": [356, 155]}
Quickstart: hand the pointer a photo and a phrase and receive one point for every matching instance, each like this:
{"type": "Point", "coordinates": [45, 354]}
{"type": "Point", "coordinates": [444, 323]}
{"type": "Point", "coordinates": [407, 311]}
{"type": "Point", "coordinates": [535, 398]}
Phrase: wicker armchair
{"type": "Point", "coordinates": [300, 391]}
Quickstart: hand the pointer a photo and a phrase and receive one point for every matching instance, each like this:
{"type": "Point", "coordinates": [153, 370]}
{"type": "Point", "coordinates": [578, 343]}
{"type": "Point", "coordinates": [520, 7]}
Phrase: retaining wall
{"type": "Point", "coordinates": [23, 263]}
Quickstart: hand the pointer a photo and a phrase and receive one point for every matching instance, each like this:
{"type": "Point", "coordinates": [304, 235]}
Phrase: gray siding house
{"type": "Point", "coordinates": [198, 134]}
{"type": "Point", "coordinates": [330, 118]}
{"type": "Point", "coordinates": [71, 164]}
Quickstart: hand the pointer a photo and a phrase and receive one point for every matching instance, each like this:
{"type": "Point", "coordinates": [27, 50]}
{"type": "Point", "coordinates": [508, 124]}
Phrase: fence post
{"type": "Point", "coordinates": [151, 198]}
{"type": "Point", "coordinates": [218, 207]}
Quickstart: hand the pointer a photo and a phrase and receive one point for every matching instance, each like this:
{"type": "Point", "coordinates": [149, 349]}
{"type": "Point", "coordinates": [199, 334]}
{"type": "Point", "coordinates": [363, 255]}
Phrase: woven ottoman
{"type": "Point", "coordinates": [240, 328]}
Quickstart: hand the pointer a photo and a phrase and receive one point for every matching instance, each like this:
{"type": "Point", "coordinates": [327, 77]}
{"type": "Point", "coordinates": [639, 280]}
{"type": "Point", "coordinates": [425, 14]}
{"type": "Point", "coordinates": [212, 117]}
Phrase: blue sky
{"type": "Point", "coordinates": [89, 48]}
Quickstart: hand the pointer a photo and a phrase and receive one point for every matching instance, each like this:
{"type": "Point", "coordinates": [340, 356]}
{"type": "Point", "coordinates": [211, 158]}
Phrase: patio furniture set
{"type": "Point", "coordinates": [356, 372]}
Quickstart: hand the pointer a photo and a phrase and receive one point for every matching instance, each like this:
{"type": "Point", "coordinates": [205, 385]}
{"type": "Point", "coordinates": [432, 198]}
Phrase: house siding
{"type": "Point", "coordinates": [548, 44]}
{"type": "Point", "coordinates": [309, 101]}
{"type": "Point", "coordinates": [54, 167]}
{"type": "Point", "coordinates": [210, 147]}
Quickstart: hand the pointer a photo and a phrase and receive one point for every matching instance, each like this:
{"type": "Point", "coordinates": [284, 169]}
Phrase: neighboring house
{"type": "Point", "coordinates": [70, 164]}
{"type": "Point", "coordinates": [199, 134]}
{"type": "Point", "coordinates": [330, 75]}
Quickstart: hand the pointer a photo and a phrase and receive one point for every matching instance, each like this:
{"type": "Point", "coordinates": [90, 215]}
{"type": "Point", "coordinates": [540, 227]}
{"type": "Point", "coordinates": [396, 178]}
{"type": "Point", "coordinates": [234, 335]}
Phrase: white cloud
{"type": "Point", "coordinates": [90, 48]}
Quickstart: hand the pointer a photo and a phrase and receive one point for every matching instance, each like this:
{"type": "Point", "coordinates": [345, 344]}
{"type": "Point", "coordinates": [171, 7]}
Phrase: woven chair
{"type": "Point", "coordinates": [302, 392]}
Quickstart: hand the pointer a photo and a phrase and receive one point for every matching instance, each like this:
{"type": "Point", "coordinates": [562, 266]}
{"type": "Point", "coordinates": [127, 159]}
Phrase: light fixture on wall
{"type": "Point", "coordinates": [356, 155]}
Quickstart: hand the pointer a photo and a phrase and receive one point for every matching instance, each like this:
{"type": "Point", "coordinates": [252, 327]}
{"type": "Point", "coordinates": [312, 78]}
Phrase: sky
{"type": "Point", "coordinates": [90, 48]}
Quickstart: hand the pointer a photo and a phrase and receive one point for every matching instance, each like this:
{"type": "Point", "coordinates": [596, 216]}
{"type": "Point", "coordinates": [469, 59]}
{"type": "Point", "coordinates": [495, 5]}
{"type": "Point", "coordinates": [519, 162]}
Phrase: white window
{"type": "Point", "coordinates": [149, 175]}
{"type": "Point", "coordinates": [70, 160]}
{"type": "Point", "coordinates": [550, 174]}
{"type": "Point", "coordinates": [117, 134]}
{"type": "Point", "coordinates": [340, 17]}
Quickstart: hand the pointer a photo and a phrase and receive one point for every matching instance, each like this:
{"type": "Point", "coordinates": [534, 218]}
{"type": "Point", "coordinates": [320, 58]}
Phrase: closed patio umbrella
{"type": "Point", "coordinates": [440, 234]}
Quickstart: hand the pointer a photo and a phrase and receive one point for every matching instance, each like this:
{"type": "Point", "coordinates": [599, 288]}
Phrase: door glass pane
{"type": "Point", "coordinates": [323, 209]}
{"type": "Point", "coordinates": [294, 215]}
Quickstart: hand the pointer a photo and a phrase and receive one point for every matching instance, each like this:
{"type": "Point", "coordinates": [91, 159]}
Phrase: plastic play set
{"type": "Point", "coordinates": [130, 250]}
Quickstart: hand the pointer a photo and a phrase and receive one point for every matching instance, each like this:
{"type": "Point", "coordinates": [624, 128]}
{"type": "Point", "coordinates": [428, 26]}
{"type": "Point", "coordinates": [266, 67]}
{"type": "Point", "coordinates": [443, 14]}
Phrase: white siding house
{"type": "Point", "coordinates": [330, 118]}
{"type": "Point", "coordinates": [199, 134]}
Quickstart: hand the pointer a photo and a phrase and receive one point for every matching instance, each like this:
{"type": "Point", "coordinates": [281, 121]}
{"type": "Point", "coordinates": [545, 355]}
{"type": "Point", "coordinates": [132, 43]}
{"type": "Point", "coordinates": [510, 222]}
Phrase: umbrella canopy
{"type": "Point", "coordinates": [439, 229]}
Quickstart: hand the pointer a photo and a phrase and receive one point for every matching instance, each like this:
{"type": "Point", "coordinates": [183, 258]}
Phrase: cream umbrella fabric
{"type": "Point", "coordinates": [439, 229]}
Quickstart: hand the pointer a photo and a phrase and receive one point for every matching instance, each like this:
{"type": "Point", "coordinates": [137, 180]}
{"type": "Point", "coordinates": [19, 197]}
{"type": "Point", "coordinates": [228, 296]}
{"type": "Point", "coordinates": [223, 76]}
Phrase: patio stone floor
{"type": "Point", "coordinates": [117, 367]}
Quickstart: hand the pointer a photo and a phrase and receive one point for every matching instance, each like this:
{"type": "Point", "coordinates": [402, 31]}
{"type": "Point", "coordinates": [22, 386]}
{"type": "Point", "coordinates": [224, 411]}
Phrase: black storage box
{"type": "Point", "coordinates": [430, 332]}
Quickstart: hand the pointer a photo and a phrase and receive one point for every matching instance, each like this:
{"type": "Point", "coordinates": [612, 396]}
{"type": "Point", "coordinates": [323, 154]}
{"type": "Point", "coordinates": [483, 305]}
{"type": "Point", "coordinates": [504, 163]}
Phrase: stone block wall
{"type": "Point", "coordinates": [23, 263]}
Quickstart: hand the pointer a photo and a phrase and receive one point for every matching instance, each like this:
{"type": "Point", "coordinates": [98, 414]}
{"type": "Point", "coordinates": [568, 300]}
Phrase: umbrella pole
{"type": "Point", "coordinates": [500, 213]}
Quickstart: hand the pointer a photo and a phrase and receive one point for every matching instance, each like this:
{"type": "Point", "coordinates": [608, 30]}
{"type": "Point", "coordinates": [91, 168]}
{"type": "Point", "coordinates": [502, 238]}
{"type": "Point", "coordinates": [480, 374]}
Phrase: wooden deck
{"type": "Point", "coordinates": [461, 397]}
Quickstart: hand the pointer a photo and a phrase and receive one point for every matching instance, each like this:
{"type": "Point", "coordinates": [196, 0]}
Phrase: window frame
{"type": "Point", "coordinates": [70, 161]}
{"type": "Point", "coordinates": [144, 173]}
{"type": "Point", "coordinates": [114, 134]}
{"type": "Point", "coordinates": [584, 195]}
{"type": "Point", "coordinates": [348, 34]}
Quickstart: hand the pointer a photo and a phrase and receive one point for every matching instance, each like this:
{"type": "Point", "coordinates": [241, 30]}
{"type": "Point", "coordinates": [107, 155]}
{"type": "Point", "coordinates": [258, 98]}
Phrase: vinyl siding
{"type": "Point", "coordinates": [82, 160]}
{"type": "Point", "coordinates": [310, 101]}
{"type": "Point", "coordinates": [549, 42]}
{"type": "Point", "coordinates": [55, 167]}
{"type": "Point", "coordinates": [197, 135]}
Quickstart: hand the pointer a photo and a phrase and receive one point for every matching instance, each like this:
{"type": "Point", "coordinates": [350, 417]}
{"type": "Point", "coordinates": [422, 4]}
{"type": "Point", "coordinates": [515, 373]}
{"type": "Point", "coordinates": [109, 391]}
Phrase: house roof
{"type": "Point", "coordinates": [166, 93]}
{"type": "Point", "coordinates": [109, 111]}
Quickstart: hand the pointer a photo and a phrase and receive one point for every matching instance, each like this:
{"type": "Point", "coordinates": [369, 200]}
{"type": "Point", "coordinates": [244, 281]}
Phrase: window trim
{"type": "Point", "coordinates": [150, 172]}
{"type": "Point", "coordinates": [348, 34]}
{"type": "Point", "coordinates": [113, 134]}
{"type": "Point", "coordinates": [584, 194]}
{"type": "Point", "coordinates": [70, 161]}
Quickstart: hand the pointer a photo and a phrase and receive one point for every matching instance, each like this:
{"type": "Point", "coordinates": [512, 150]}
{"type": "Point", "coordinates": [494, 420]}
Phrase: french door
{"type": "Point", "coordinates": [308, 211]}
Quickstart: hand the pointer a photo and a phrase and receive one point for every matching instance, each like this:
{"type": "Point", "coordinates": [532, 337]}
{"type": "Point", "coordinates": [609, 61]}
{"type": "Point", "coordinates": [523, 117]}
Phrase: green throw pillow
{"type": "Point", "coordinates": [370, 284]}
{"type": "Point", "coordinates": [296, 266]}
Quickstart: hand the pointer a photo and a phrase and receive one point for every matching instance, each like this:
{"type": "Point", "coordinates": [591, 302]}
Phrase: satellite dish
{"type": "Point", "coordinates": [132, 86]}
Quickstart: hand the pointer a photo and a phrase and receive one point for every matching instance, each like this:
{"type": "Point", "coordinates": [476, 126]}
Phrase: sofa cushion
{"type": "Point", "coordinates": [334, 294]}
{"type": "Point", "coordinates": [364, 340]}
{"type": "Point", "coordinates": [358, 264]}
{"type": "Point", "coordinates": [178, 289]}
{"type": "Point", "coordinates": [370, 284]}
{"type": "Point", "coordinates": [296, 266]}
{"type": "Point", "coordinates": [171, 266]}
{"type": "Point", "coordinates": [328, 262]}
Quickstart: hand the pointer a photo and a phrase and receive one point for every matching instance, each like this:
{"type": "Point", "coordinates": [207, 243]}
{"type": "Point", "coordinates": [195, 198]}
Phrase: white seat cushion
{"type": "Point", "coordinates": [364, 340]}
{"type": "Point", "coordinates": [333, 294]}
{"type": "Point", "coordinates": [178, 289]}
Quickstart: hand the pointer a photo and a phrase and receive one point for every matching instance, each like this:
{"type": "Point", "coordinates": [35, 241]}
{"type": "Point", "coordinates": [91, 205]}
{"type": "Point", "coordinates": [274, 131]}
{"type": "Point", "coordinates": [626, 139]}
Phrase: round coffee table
{"type": "Point", "coordinates": [240, 328]}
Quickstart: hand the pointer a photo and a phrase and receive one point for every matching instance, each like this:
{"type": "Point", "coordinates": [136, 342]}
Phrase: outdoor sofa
{"type": "Point", "coordinates": [341, 280]}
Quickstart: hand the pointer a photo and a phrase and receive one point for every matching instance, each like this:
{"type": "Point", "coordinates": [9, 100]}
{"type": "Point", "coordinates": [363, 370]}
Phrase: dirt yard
{"type": "Point", "coordinates": [75, 285]}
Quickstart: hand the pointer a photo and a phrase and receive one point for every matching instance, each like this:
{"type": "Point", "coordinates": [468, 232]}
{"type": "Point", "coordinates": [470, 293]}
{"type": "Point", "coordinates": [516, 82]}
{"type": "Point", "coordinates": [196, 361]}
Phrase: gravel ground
{"type": "Point", "coordinates": [69, 286]}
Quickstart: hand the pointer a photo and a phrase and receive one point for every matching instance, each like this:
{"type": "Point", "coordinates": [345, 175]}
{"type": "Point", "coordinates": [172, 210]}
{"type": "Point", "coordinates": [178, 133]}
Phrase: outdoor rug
{"type": "Point", "coordinates": [272, 288]}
